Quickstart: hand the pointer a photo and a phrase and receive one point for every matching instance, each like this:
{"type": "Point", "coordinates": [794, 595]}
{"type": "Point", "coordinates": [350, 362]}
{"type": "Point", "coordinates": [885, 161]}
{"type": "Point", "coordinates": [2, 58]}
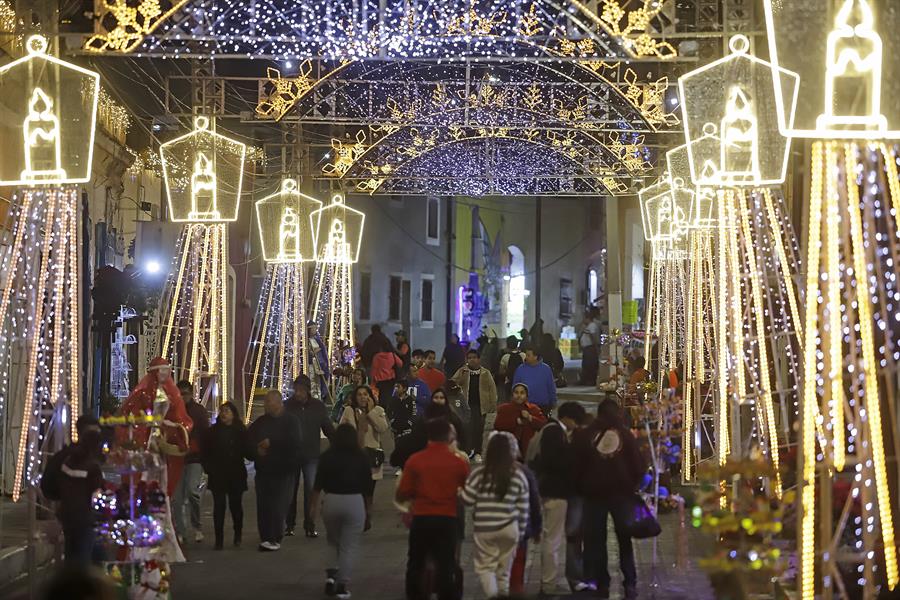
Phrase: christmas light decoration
{"type": "Point", "coordinates": [849, 349]}
{"type": "Point", "coordinates": [51, 109]}
{"type": "Point", "coordinates": [203, 174]}
{"type": "Point", "coordinates": [288, 226]}
{"type": "Point", "coordinates": [337, 249]}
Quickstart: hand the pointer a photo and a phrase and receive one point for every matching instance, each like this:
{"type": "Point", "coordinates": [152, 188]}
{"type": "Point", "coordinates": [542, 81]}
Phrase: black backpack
{"type": "Point", "coordinates": [515, 361]}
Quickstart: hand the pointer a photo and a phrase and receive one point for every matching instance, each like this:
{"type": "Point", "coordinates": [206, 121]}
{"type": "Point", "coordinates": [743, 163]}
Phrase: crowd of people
{"type": "Point", "coordinates": [489, 440]}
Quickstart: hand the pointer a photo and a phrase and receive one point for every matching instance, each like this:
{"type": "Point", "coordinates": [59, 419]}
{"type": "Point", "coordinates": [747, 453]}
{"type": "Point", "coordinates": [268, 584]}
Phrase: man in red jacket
{"type": "Point", "coordinates": [431, 481]}
{"type": "Point", "coordinates": [520, 417]}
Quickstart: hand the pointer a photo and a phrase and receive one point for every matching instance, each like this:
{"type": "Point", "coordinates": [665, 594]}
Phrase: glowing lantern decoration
{"type": "Point", "coordinates": [702, 214]}
{"type": "Point", "coordinates": [841, 50]}
{"type": "Point", "coordinates": [45, 108]}
{"type": "Point", "coordinates": [742, 118]}
{"type": "Point", "coordinates": [288, 225]}
{"type": "Point", "coordinates": [204, 173]}
{"type": "Point", "coordinates": [338, 245]}
{"type": "Point", "coordinates": [665, 210]}
{"type": "Point", "coordinates": [848, 91]}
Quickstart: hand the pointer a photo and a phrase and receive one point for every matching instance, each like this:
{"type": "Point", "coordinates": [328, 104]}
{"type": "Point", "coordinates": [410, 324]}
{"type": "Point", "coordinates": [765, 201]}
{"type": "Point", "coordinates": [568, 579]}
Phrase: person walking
{"type": "Point", "coordinates": [478, 388]}
{"type": "Point", "coordinates": [509, 362]}
{"type": "Point", "coordinates": [418, 389]}
{"type": "Point", "coordinates": [342, 483]}
{"type": "Point", "coordinates": [431, 482]}
{"type": "Point", "coordinates": [554, 469]}
{"type": "Point", "coordinates": [274, 445]}
{"type": "Point", "coordinates": [401, 343]}
{"type": "Point", "coordinates": [520, 417]}
{"type": "Point", "coordinates": [552, 357]}
{"type": "Point", "coordinates": [432, 376]}
{"type": "Point", "coordinates": [498, 493]}
{"type": "Point", "coordinates": [539, 378]}
{"type": "Point", "coordinates": [188, 489]}
{"type": "Point", "coordinates": [223, 460]}
{"type": "Point", "coordinates": [314, 421]}
{"type": "Point", "coordinates": [454, 356]}
{"type": "Point", "coordinates": [403, 411]}
{"type": "Point", "coordinates": [71, 477]}
{"type": "Point", "coordinates": [358, 377]}
{"type": "Point", "coordinates": [589, 341]}
{"type": "Point", "coordinates": [384, 373]}
{"type": "Point", "coordinates": [372, 345]}
{"type": "Point", "coordinates": [609, 468]}
{"type": "Point", "coordinates": [370, 423]}
{"type": "Point", "coordinates": [532, 531]}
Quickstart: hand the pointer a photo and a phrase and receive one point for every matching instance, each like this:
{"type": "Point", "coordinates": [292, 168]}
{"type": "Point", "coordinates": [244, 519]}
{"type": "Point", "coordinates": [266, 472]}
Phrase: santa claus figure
{"type": "Point", "coordinates": [157, 394]}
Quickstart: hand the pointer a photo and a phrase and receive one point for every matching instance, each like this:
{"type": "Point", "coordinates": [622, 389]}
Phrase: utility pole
{"type": "Point", "coordinates": [537, 258]}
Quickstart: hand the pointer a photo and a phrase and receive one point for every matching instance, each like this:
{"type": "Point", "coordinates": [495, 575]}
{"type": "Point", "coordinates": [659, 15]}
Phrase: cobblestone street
{"type": "Point", "coordinates": [297, 571]}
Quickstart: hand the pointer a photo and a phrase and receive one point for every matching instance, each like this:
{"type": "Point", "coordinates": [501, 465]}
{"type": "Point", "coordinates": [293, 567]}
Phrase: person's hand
{"type": "Point", "coordinates": [526, 415]}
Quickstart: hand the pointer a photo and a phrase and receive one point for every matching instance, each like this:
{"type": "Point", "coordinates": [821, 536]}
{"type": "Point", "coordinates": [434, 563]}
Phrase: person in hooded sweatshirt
{"type": "Point", "coordinates": [314, 418]}
{"type": "Point", "coordinates": [223, 460]}
{"type": "Point", "coordinates": [608, 469]}
{"type": "Point", "coordinates": [273, 443]}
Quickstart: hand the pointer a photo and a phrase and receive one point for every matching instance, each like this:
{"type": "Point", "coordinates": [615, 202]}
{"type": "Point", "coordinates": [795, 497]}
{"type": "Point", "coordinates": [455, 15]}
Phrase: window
{"type": "Point", "coordinates": [433, 221]}
{"type": "Point", "coordinates": [427, 316]}
{"type": "Point", "coordinates": [365, 296]}
{"type": "Point", "coordinates": [566, 305]}
{"type": "Point", "coordinates": [394, 298]}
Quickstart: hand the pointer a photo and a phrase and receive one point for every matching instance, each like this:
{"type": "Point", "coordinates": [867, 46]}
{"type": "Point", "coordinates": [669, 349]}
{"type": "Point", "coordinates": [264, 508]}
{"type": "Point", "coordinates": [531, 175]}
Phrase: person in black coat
{"type": "Point", "coordinates": [411, 443]}
{"type": "Point", "coordinates": [223, 460]}
{"type": "Point", "coordinates": [273, 442]}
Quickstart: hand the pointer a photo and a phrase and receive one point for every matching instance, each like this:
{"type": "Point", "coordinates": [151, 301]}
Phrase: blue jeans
{"type": "Point", "coordinates": [188, 491]}
{"type": "Point", "coordinates": [307, 472]}
{"type": "Point", "coordinates": [596, 517]}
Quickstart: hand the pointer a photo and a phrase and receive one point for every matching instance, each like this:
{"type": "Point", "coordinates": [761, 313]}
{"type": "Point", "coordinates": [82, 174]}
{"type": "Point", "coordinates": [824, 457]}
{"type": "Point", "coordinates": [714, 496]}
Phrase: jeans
{"type": "Point", "coordinates": [79, 544]}
{"type": "Point", "coordinates": [574, 540]}
{"type": "Point", "coordinates": [435, 538]}
{"type": "Point", "coordinates": [345, 517]}
{"type": "Point", "coordinates": [273, 492]}
{"type": "Point", "coordinates": [596, 515]}
{"type": "Point", "coordinates": [188, 491]}
{"type": "Point", "coordinates": [306, 470]}
{"type": "Point", "coordinates": [590, 364]}
{"type": "Point", "coordinates": [233, 500]}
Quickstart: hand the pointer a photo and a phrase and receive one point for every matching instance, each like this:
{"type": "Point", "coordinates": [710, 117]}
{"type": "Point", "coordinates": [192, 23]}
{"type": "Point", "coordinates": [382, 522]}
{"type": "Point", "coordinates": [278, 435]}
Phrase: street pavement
{"type": "Point", "coordinates": [298, 569]}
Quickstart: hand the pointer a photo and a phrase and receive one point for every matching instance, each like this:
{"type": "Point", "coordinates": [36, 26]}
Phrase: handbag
{"type": "Point", "coordinates": [640, 522]}
{"type": "Point", "coordinates": [375, 456]}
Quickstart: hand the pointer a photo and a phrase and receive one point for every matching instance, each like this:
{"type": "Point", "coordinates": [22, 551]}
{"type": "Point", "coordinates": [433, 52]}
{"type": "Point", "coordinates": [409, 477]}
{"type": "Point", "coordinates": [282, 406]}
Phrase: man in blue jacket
{"type": "Point", "coordinates": [539, 379]}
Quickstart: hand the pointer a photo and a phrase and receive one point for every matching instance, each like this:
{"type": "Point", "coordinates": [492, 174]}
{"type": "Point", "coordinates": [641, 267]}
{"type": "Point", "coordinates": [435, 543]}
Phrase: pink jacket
{"type": "Point", "coordinates": [383, 365]}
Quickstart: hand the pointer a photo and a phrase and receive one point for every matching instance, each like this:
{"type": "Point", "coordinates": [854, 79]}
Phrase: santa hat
{"type": "Point", "coordinates": [158, 363]}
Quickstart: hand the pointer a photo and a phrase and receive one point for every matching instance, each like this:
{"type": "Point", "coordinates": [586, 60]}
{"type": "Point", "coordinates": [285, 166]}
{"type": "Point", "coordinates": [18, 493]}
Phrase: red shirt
{"type": "Point", "coordinates": [509, 419]}
{"type": "Point", "coordinates": [433, 378]}
{"type": "Point", "coordinates": [432, 478]}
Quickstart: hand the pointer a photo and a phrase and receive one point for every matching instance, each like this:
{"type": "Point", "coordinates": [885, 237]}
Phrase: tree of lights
{"type": "Point", "coordinates": [288, 225]}
{"type": "Point", "coordinates": [735, 151]}
{"type": "Point", "coordinates": [44, 108]}
{"type": "Point", "coordinates": [203, 173]}
{"type": "Point", "coordinates": [340, 230]}
{"type": "Point", "coordinates": [850, 350]}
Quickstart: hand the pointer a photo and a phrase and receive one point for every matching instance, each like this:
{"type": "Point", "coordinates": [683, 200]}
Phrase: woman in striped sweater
{"type": "Point", "coordinates": [498, 491]}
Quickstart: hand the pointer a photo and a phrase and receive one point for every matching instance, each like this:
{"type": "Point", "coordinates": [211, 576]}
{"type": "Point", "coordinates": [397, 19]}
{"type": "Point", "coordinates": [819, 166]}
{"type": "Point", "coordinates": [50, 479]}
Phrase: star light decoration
{"type": "Point", "coordinates": [50, 109]}
{"type": "Point", "coordinates": [338, 242]}
{"type": "Point", "coordinates": [203, 174]}
{"type": "Point", "coordinates": [288, 223]}
{"type": "Point", "coordinates": [850, 349]}
{"type": "Point", "coordinates": [734, 151]}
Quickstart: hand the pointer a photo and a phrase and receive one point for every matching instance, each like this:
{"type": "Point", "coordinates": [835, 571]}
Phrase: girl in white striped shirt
{"type": "Point", "coordinates": [498, 491]}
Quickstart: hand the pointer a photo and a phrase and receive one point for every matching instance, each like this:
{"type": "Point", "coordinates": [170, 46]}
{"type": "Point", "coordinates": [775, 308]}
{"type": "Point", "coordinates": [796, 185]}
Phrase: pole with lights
{"type": "Point", "coordinates": [203, 173]}
{"type": "Point", "coordinates": [340, 231]}
{"type": "Point", "coordinates": [288, 224]}
{"type": "Point", "coordinates": [850, 349]}
{"type": "Point", "coordinates": [51, 107]}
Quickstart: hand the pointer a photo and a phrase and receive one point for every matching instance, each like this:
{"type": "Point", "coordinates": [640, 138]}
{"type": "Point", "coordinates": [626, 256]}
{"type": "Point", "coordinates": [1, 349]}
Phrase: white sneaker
{"type": "Point", "coordinates": [269, 547]}
{"type": "Point", "coordinates": [198, 536]}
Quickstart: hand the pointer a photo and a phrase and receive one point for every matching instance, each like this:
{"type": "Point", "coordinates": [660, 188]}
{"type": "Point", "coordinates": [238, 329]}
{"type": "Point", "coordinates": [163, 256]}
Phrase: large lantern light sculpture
{"type": "Point", "coordinates": [340, 230]}
{"type": "Point", "coordinates": [734, 147]}
{"type": "Point", "coordinates": [288, 223]}
{"type": "Point", "coordinates": [50, 115]}
{"type": "Point", "coordinates": [203, 172]}
{"type": "Point", "coordinates": [848, 86]}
